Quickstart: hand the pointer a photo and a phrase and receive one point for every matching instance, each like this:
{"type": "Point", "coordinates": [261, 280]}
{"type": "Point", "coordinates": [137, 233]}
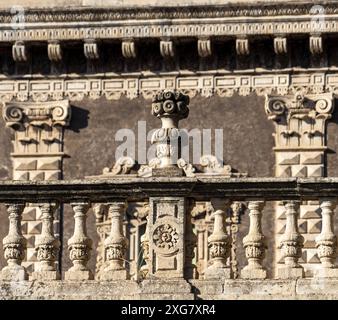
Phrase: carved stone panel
{"type": "Point", "coordinates": [166, 229]}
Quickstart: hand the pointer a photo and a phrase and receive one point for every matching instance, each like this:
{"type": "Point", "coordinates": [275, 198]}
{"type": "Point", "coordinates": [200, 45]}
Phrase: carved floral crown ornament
{"type": "Point", "coordinates": [170, 106]}
{"type": "Point", "coordinates": [52, 113]}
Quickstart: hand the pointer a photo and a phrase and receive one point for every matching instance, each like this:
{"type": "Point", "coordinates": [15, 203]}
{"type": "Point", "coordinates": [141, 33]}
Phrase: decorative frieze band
{"type": "Point", "coordinates": [245, 9]}
{"type": "Point", "coordinates": [207, 85]}
{"type": "Point", "coordinates": [97, 14]}
{"type": "Point", "coordinates": [123, 30]}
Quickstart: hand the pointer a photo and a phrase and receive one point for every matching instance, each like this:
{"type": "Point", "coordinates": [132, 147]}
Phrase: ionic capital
{"type": "Point", "coordinates": [21, 115]}
{"type": "Point", "coordinates": [299, 106]}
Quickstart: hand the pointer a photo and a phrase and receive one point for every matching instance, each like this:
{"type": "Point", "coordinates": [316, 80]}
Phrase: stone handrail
{"type": "Point", "coordinates": [140, 188]}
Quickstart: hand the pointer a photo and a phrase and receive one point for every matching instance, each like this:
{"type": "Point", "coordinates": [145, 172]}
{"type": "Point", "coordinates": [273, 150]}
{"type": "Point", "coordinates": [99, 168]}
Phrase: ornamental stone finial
{"type": "Point", "coordinates": [170, 107]}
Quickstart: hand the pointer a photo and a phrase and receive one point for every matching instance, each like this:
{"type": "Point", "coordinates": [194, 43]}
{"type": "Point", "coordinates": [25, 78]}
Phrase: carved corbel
{"type": "Point", "coordinates": [54, 51]}
{"type": "Point", "coordinates": [167, 48]}
{"type": "Point", "coordinates": [91, 49]}
{"type": "Point", "coordinates": [280, 45]}
{"type": "Point", "coordinates": [129, 49]}
{"type": "Point", "coordinates": [242, 47]}
{"type": "Point", "coordinates": [19, 52]}
{"type": "Point", "coordinates": [316, 45]}
{"type": "Point", "coordinates": [20, 115]}
{"type": "Point", "coordinates": [204, 47]}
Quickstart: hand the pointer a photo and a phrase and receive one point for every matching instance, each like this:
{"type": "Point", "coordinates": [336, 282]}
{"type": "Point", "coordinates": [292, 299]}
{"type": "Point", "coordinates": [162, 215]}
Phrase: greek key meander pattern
{"type": "Point", "coordinates": [114, 88]}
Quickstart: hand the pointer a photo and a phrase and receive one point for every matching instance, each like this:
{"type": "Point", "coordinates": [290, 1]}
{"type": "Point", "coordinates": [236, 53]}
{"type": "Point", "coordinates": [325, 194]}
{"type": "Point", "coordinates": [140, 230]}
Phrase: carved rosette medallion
{"type": "Point", "coordinates": [165, 237]}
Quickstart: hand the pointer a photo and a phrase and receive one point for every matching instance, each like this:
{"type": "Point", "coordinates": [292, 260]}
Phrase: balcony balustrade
{"type": "Point", "coordinates": [168, 229]}
{"type": "Point", "coordinates": [167, 197]}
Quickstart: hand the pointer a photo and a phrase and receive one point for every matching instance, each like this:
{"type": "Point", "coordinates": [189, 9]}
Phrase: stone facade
{"type": "Point", "coordinates": [66, 91]}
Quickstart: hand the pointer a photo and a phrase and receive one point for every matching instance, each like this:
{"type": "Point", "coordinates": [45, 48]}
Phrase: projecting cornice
{"type": "Point", "coordinates": [169, 22]}
{"type": "Point", "coordinates": [90, 14]}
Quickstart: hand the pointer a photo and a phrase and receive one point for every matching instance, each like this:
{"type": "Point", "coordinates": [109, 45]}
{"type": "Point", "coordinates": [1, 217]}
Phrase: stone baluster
{"type": "Point", "coordinates": [116, 244]}
{"type": "Point", "coordinates": [254, 243]}
{"type": "Point", "coordinates": [47, 246]}
{"type": "Point", "coordinates": [14, 245]}
{"type": "Point", "coordinates": [326, 242]}
{"type": "Point", "coordinates": [291, 244]}
{"type": "Point", "coordinates": [218, 243]}
{"type": "Point", "coordinates": [79, 245]}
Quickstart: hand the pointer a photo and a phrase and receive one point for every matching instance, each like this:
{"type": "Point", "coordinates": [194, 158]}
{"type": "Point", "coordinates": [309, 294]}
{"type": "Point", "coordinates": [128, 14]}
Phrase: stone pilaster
{"type": "Point", "coordinates": [166, 237]}
{"type": "Point", "coordinates": [37, 155]}
{"type": "Point", "coordinates": [300, 146]}
{"type": "Point", "coordinates": [144, 270]}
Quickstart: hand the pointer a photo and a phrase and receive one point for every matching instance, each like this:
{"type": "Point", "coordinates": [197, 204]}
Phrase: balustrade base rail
{"type": "Point", "coordinates": [302, 289]}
